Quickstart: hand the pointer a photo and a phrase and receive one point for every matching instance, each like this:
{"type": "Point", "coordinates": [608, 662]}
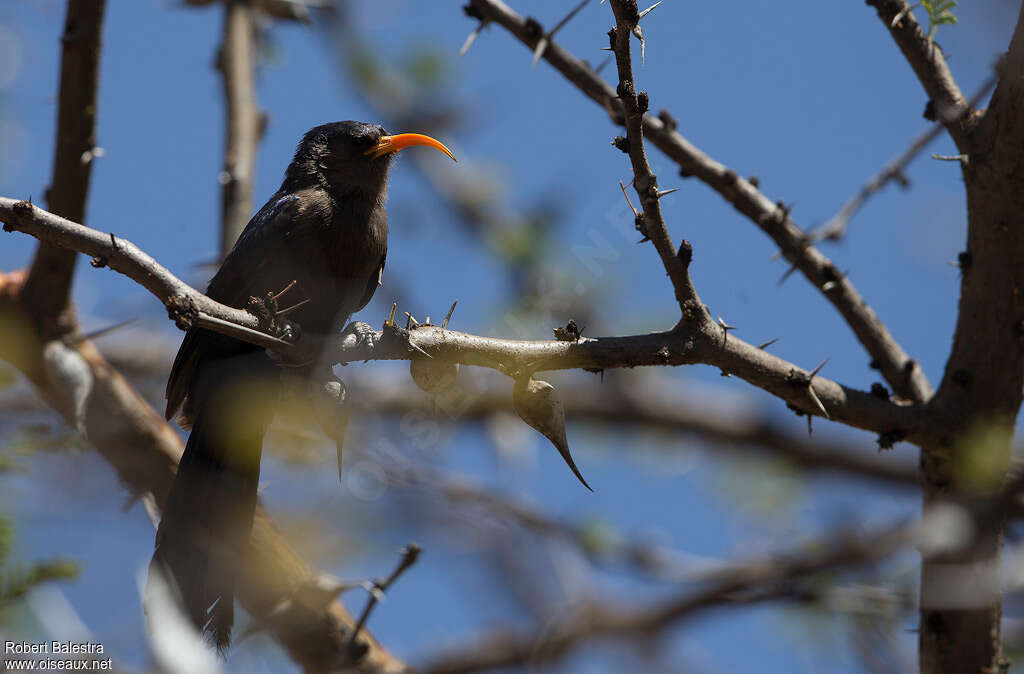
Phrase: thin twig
{"type": "Point", "coordinates": [644, 181]}
{"type": "Point", "coordinates": [835, 228]}
{"type": "Point", "coordinates": [410, 554]}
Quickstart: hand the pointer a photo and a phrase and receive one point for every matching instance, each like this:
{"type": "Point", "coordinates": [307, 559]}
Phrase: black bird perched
{"type": "Point", "coordinates": [322, 238]}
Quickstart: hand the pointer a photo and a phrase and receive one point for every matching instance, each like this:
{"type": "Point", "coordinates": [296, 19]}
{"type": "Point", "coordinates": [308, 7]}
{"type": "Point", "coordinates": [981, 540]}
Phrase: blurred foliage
{"type": "Point", "coordinates": [33, 438]}
{"type": "Point", "coordinates": [764, 489]}
{"type": "Point", "coordinates": [981, 457]}
{"type": "Point", "coordinates": [16, 578]}
{"type": "Point", "coordinates": [426, 65]}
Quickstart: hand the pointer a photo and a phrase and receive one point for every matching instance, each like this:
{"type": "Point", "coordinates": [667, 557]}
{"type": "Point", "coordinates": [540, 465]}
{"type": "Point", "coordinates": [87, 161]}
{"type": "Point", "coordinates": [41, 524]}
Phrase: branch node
{"type": "Point", "coordinates": [570, 333]}
{"type": "Point", "coordinates": [182, 310]}
{"type": "Point", "coordinates": [889, 438]}
{"type": "Point", "coordinates": [642, 102]}
{"type": "Point", "coordinates": [534, 30]}
{"type": "Point", "coordinates": [685, 253]}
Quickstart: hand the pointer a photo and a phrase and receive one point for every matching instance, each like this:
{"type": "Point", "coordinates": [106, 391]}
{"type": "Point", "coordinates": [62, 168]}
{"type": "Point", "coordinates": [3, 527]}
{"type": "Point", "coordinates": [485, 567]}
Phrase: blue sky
{"type": "Point", "coordinates": [811, 101]}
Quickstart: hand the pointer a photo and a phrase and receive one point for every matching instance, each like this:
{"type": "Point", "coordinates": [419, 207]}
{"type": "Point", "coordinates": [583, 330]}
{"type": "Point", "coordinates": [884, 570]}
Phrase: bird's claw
{"type": "Point", "coordinates": [363, 335]}
{"type": "Point", "coordinates": [271, 318]}
{"type": "Point", "coordinates": [287, 330]}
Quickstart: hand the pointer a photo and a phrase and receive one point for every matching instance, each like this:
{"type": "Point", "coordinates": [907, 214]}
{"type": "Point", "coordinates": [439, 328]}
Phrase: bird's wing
{"type": "Point", "coordinates": [245, 265]}
{"type": "Point", "coordinates": [240, 275]}
{"type": "Point", "coordinates": [372, 284]}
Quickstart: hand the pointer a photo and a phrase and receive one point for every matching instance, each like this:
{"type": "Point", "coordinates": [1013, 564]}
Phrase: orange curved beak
{"type": "Point", "coordinates": [389, 144]}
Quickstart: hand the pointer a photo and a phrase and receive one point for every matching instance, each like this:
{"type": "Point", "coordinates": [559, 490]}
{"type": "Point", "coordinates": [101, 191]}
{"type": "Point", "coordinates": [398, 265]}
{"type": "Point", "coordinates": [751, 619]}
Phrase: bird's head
{"type": "Point", "coordinates": [351, 156]}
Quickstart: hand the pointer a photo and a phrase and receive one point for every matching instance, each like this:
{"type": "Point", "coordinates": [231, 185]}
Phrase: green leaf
{"type": "Point", "coordinates": [940, 13]}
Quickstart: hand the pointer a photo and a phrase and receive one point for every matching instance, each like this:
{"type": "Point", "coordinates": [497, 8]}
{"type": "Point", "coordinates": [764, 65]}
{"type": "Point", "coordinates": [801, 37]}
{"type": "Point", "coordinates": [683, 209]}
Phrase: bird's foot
{"type": "Point", "coordinates": [360, 335]}
{"type": "Point", "coordinates": [272, 318]}
{"type": "Point", "coordinates": [287, 330]}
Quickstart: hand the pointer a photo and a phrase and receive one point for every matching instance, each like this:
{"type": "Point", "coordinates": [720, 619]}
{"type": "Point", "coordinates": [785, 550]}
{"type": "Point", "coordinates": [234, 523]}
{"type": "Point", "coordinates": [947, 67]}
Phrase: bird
{"type": "Point", "coordinates": [319, 244]}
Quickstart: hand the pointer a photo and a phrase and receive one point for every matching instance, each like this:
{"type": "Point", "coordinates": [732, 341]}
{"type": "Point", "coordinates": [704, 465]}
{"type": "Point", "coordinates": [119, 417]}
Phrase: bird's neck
{"type": "Point", "coordinates": [372, 190]}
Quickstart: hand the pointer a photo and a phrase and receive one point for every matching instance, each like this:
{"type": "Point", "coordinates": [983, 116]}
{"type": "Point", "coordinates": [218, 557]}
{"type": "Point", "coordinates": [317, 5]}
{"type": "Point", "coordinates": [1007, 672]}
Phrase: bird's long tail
{"type": "Point", "coordinates": [204, 534]}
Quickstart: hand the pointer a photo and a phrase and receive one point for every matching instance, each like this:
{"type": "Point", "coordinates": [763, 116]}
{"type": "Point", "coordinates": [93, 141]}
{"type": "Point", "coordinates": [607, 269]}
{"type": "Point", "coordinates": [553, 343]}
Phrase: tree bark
{"type": "Point", "coordinates": [978, 400]}
{"type": "Point", "coordinates": [236, 62]}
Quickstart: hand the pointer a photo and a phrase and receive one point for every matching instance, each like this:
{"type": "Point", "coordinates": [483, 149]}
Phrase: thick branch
{"type": "Point", "coordinates": [926, 58]}
{"type": "Point", "coordinates": [743, 583]}
{"type": "Point", "coordinates": [242, 129]}
{"type": "Point", "coordinates": [693, 341]}
{"type": "Point", "coordinates": [980, 393]}
{"type": "Point", "coordinates": [900, 371]}
{"type": "Point", "coordinates": [48, 287]}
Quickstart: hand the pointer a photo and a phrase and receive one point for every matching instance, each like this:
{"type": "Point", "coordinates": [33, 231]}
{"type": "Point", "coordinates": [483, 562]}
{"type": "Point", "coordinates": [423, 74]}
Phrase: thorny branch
{"type": "Point", "coordinates": [650, 222]}
{"type": "Point", "coordinates": [685, 344]}
{"type": "Point", "coordinates": [900, 371]}
{"type": "Point", "coordinates": [732, 429]}
{"type": "Point", "coordinates": [947, 104]}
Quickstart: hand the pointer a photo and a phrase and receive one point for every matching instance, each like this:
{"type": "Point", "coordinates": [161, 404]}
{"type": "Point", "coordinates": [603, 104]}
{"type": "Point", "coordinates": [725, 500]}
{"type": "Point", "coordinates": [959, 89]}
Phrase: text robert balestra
{"type": "Point", "coordinates": [52, 647]}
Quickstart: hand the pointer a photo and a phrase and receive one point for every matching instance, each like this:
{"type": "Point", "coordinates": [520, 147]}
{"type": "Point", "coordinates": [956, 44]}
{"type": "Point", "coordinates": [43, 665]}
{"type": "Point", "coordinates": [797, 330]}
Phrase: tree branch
{"type": "Point", "coordinates": [48, 286]}
{"type": "Point", "coordinates": [900, 371]}
{"type": "Point", "coordinates": [947, 103]}
{"type": "Point", "coordinates": [651, 223]}
{"type": "Point", "coordinates": [688, 343]}
{"type": "Point", "coordinates": [235, 61]}
{"type": "Point", "coordinates": [980, 393]}
{"type": "Point", "coordinates": [742, 583]}
{"type": "Point", "coordinates": [731, 428]}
